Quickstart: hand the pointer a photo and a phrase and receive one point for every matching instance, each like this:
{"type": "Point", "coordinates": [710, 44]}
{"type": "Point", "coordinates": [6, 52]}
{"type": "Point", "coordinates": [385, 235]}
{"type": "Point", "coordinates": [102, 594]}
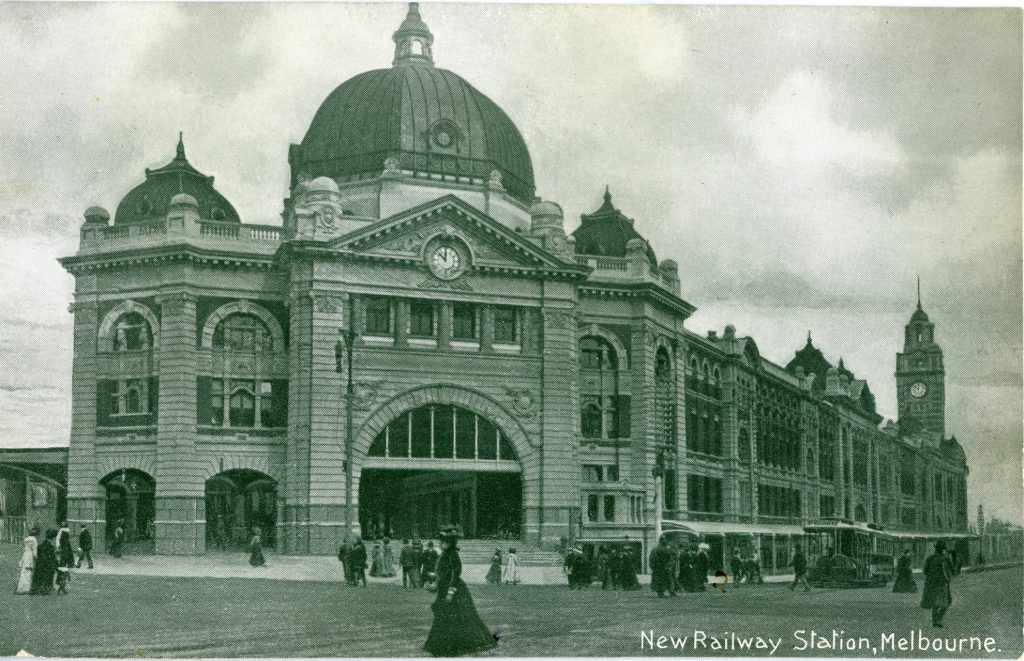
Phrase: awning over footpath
{"type": "Point", "coordinates": [725, 528]}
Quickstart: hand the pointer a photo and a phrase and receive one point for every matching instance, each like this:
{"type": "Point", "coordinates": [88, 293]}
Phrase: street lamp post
{"type": "Point", "coordinates": [665, 457]}
{"type": "Point", "coordinates": [344, 344]}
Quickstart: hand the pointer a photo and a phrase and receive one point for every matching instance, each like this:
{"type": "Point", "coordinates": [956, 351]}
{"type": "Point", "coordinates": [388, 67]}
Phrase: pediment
{"type": "Point", "coordinates": [491, 245]}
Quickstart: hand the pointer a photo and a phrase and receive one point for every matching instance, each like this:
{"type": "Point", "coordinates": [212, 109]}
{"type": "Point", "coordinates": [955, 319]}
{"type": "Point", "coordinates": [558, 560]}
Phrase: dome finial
{"type": "Point", "coordinates": [919, 292]}
{"type": "Point", "coordinates": [413, 39]}
{"type": "Point", "coordinates": [607, 206]}
{"type": "Point", "coordinates": [809, 337]}
{"type": "Point", "coordinates": [181, 146]}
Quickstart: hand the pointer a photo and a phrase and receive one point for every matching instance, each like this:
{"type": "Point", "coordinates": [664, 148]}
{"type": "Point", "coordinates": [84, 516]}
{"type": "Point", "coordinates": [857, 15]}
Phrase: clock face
{"type": "Point", "coordinates": [446, 262]}
{"type": "Point", "coordinates": [918, 390]}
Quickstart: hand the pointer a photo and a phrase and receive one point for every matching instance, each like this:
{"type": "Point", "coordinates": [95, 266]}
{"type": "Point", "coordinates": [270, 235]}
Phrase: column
{"type": "Point", "coordinates": [293, 536]}
{"type": "Point", "coordinates": [180, 484]}
{"type": "Point", "coordinates": [86, 498]}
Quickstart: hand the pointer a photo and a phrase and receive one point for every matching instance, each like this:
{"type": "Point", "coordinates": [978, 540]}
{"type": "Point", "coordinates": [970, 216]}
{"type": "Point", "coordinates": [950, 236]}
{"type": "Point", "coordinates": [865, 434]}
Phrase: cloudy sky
{"type": "Point", "coordinates": [802, 165]}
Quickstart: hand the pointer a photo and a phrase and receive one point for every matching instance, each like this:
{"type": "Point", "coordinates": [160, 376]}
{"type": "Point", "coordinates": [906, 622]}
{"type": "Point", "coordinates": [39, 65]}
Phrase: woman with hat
{"type": "Point", "coordinates": [28, 560]}
{"type": "Point", "coordinates": [937, 573]}
{"type": "Point", "coordinates": [457, 628]}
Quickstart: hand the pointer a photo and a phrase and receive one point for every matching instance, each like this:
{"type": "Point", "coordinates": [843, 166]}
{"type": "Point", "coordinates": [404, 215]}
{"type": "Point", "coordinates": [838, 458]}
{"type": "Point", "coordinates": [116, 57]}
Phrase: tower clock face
{"type": "Point", "coordinates": [918, 390]}
{"type": "Point", "coordinates": [446, 262]}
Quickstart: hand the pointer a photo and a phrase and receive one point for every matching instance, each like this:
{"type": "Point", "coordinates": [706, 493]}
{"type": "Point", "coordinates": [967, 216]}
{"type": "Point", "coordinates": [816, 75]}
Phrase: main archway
{"type": "Point", "coordinates": [437, 464]}
{"type": "Point", "coordinates": [131, 504]}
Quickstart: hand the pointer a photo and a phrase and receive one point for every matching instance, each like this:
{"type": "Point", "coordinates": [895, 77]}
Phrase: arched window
{"type": "Point", "coordinates": [662, 365]}
{"type": "Point", "coordinates": [598, 353]}
{"type": "Point", "coordinates": [132, 333]}
{"type": "Point", "coordinates": [243, 332]}
{"type": "Point", "coordinates": [590, 421]}
{"type": "Point", "coordinates": [416, 47]}
{"type": "Point", "coordinates": [133, 402]}
{"type": "Point", "coordinates": [242, 409]}
{"type": "Point", "coordinates": [442, 431]}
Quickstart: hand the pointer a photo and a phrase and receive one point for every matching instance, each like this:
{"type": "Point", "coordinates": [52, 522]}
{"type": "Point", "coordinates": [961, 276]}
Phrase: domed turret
{"type": "Point", "coordinates": [97, 216]}
{"type": "Point", "coordinates": [429, 120]}
{"type": "Point", "coordinates": [607, 233]}
{"type": "Point", "coordinates": [152, 198]}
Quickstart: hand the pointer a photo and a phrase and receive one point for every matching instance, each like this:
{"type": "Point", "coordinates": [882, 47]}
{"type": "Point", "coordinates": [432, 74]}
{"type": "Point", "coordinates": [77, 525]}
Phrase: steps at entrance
{"type": "Point", "coordinates": [479, 552]}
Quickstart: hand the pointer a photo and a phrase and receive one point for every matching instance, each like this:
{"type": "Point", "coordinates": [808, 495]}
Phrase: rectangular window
{"type": "Point", "coordinates": [378, 315]}
{"type": "Point", "coordinates": [593, 473]}
{"type": "Point", "coordinates": [464, 321]}
{"type": "Point", "coordinates": [826, 506]}
{"type": "Point", "coordinates": [609, 508]}
{"type": "Point", "coordinates": [506, 325]}
{"type": "Point", "coordinates": [613, 473]}
{"type": "Point", "coordinates": [704, 494]}
{"type": "Point", "coordinates": [421, 318]}
{"type": "Point", "coordinates": [216, 403]}
{"type": "Point", "coordinates": [592, 508]}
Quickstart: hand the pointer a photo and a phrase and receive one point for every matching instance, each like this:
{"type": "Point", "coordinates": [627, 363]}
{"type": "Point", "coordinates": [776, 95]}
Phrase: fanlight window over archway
{"type": "Point", "coordinates": [132, 333]}
{"type": "Point", "coordinates": [442, 431]}
{"type": "Point", "coordinates": [243, 332]}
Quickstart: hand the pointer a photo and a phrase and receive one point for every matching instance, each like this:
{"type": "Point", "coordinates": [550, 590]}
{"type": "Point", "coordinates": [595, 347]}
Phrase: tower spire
{"type": "Point", "coordinates": [180, 152]}
{"type": "Point", "coordinates": [919, 292]}
{"type": "Point", "coordinates": [413, 39]}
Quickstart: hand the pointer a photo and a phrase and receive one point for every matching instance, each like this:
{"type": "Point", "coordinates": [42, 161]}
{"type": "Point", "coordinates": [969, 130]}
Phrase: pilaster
{"type": "Point", "coordinates": [180, 487]}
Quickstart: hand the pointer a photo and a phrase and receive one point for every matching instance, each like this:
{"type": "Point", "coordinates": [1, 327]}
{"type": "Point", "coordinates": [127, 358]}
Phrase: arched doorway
{"type": "Point", "coordinates": [438, 464]}
{"type": "Point", "coordinates": [237, 501]}
{"type": "Point", "coordinates": [131, 502]}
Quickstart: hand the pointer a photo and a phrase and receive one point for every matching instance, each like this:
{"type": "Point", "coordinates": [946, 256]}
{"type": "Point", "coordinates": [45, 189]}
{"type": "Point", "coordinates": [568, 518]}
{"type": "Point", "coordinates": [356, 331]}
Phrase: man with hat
{"type": "Point", "coordinates": [938, 571]}
{"type": "Point", "coordinates": [662, 568]}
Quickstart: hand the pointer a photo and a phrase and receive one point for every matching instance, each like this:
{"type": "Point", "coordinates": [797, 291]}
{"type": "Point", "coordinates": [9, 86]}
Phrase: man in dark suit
{"type": "Point", "coordinates": [85, 545]}
{"type": "Point", "coordinates": [357, 560]}
{"type": "Point", "coordinates": [938, 572]}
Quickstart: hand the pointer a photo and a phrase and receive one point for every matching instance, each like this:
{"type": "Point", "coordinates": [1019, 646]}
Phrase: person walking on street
{"type": "Point", "coordinates": [457, 628]}
{"type": "Point", "coordinates": [938, 572]}
{"type": "Point", "coordinates": [357, 558]}
{"type": "Point", "coordinates": [429, 565]}
{"type": "Point", "coordinates": [405, 560]}
{"type": "Point", "coordinates": [904, 574]}
{"type": "Point", "coordinates": [736, 566]}
{"type": "Point", "coordinates": [45, 565]}
{"type": "Point", "coordinates": [256, 558]}
{"type": "Point", "coordinates": [701, 562]}
{"type": "Point", "coordinates": [510, 571]}
{"type": "Point", "coordinates": [662, 568]}
{"type": "Point", "coordinates": [65, 560]}
{"type": "Point", "coordinates": [84, 547]}
{"type": "Point", "coordinates": [800, 570]}
{"type": "Point", "coordinates": [117, 543]}
{"type": "Point", "coordinates": [344, 550]}
{"type": "Point", "coordinates": [494, 572]}
{"type": "Point", "coordinates": [29, 550]}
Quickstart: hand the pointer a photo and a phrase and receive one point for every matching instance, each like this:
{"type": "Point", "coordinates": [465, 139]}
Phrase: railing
{"type": "Point", "coordinates": [239, 231]}
{"type": "Point", "coordinates": [604, 263]}
{"type": "Point", "coordinates": [13, 529]}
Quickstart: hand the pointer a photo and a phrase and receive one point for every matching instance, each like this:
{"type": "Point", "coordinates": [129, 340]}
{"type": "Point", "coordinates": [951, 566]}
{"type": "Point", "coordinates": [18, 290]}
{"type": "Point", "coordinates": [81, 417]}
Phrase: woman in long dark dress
{"type": "Point", "coordinates": [494, 573]}
{"type": "Point", "coordinates": [256, 558]}
{"type": "Point", "coordinates": [904, 574]}
{"type": "Point", "coordinates": [457, 628]}
{"type": "Point", "coordinates": [46, 565]}
{"type": "Point", "coordinates": [65, 560]}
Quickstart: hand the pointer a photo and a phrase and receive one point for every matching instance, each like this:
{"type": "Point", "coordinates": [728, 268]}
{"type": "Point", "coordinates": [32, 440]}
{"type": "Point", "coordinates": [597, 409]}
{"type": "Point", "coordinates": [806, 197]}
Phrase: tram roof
{"type": "Point", "coordinates": [725, 528]}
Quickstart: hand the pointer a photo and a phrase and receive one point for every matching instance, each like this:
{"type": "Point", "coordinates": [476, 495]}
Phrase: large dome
{"type": "Point", "coordinates": [429, 119]}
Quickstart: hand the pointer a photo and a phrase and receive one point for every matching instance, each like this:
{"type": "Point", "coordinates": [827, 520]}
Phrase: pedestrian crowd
{"type": "Point", "coordinates": [45, 566]}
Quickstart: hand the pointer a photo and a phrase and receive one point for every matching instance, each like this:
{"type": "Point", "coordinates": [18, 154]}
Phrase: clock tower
{"type": "Point", "coordinates": [920, 380]}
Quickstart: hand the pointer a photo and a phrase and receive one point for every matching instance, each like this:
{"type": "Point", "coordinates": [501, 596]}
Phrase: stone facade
{"type": "Point", "coordinates": [422, 330]}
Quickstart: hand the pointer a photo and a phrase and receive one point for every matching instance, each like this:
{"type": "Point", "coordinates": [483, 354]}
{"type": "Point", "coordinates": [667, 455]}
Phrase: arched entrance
{"type": "Point", "coordinates": [237, 501]}
{"type": "Point", "coordinates": [438, 464]}
{"type": "Point", "coordinates": [131, 502]}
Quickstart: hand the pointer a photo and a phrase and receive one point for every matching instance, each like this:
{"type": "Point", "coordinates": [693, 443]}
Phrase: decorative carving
{"type": "Point", "coordinates": [650, 338]}
{"type": "Point", "coordinates": [494, 180]}
{"type": "Point", "coordinates": [437, 283]}
{"type": "Point", "coordinates": [558, 320]}
{"type": "Point", "coordinates": [327, 304]}
{"type": "Point", "coordinates": [391, 167]}
{"type": "Point", "coordinates": [411, 243]}
{"type": "Point", "coordinates": [326, 218]}
{"type": "Point", "coordinates": [522, 400]}
{"type": "Point", "coordinates": [365, 392]}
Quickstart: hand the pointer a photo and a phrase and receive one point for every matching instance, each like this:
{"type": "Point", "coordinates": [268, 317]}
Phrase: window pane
{"type": "Point", "coordinates": [464, 321]}
{"type": "Point", "coordinates": [243, 409]}
{"type": "Point", "coordinates": [443, 431]}
{"type": "Point", "coordinates": [377, 449]}
{"type": "Point", "coordinates": [609, 508]}
{"type": "Point", "coordinates": [421, 318]}
{"type": "Point", "coordinates": [488, 444]}
{"type": "Point", "coordinates": [592, 508]}
{"type": "Point", "coordinates": [507, 453]}
{"type": "Point", "coordinates": [613, 473]}
{"type": "Point", "coordinates": [590, 421]}
{"type": "Point", "coordinates": [506, 325]}
{"type": "Point", "coordinates": [399, 441]}
{"type": "Point", "coordinates": [464, 429]}
{"type": "Point", "coordinates": [421, 432]}
{"type": "Point", "coordinates": [378, 315]}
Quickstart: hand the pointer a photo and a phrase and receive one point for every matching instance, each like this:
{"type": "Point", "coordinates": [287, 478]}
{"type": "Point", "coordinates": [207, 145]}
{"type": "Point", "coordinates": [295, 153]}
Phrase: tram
{"type": "Point", "coordinates": [843, 554]}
